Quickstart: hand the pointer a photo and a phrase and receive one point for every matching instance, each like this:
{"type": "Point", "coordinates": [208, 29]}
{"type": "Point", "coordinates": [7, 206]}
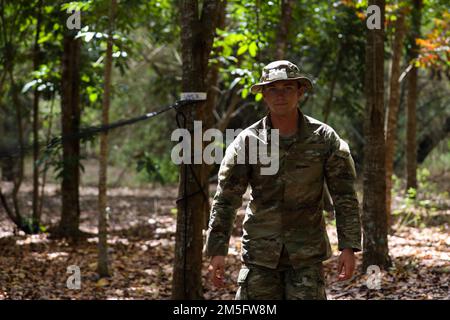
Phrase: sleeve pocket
{"type": "Point", "coordinates": [344, 149]}
{"type": "Point", "coordinates": [243, 273]}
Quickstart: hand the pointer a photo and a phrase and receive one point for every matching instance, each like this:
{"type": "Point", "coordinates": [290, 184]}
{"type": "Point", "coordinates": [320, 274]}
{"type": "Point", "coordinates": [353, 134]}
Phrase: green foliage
{"type": "Point", "coordinates": [420, 207]}
{"type": "Point", "coordinates": [411, 194]}
{"type": "Point", "coordinates": [157, 169]}
{"type": "Point", "coordinates": [326, 39]}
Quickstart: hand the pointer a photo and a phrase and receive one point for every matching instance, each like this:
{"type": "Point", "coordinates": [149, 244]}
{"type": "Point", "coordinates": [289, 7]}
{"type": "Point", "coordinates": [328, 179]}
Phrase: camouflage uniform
{"type": "Point", "coordinates": [284, 230]}
{"type": "Point", "coordinates": [259, 283]}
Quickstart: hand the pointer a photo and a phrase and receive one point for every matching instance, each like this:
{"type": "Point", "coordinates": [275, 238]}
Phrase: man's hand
{"type": "Point", "coordinates": [346, 264]}
{"type": "Point", "coordinates": [216, 270]}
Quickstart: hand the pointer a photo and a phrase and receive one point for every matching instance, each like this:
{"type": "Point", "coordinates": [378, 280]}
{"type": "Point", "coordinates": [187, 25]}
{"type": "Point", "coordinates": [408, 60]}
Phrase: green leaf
{"type": "Point", "coordinates": [244, 93]}
{"type": "Point", "coordinates": [252, 49]}
{"type": "Point", "coordinates": [93, 97]}
{"type": "Point", "coordinates": [242, 49]}
{"type": "Point", "coordinates": [226, 50]}
{"type": "Point", "coordinates": [45, 38]}
{"type": "Point", "coordinates": [258, 97]}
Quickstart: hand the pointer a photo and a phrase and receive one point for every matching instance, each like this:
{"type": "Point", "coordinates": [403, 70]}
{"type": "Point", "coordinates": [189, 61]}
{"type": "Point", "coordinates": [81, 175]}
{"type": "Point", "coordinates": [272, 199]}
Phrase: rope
{"type": "Point", "coordinates": [85, 133]}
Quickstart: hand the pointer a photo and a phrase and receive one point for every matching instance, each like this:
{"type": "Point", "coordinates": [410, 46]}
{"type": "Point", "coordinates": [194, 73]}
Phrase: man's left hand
{"type": "Point", "coordinates": [346, 264]}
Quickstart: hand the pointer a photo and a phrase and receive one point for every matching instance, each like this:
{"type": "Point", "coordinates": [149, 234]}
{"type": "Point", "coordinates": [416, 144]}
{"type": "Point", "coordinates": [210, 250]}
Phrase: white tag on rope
{"type": "Point", "coordinates": [193, 96]}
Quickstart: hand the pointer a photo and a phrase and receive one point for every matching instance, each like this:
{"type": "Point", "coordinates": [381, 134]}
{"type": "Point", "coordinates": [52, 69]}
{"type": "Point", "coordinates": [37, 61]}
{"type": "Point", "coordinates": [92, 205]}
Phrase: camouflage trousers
{"type": "Point", "coordinates": [283, 283]}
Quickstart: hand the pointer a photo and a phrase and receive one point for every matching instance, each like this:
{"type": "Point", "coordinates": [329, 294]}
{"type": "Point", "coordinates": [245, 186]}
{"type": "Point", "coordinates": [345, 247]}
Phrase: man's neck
{"type": "Point", "coordinates": [286, 124]}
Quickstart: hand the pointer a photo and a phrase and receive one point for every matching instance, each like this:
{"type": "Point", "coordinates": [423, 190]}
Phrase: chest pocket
{"type": "Point", "coordinates": [304, 167]}
{"type": "Point", "coordinates": [307, 155]}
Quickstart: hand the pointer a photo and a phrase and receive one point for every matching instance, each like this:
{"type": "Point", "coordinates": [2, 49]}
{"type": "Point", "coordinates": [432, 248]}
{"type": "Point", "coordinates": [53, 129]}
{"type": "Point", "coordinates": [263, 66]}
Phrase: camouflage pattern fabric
{"type": "Point", "coordinates": [281, 70]}
{"type": "Point", "coordinates": [283, 283]}
{"type": "Point", "coordinates": [286, 208]}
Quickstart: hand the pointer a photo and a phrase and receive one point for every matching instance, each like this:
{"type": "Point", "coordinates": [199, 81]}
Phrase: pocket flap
{"type": "Point", "coordinates": [243, 273]}
{"type": "Point", "coordinates": [344, 150]}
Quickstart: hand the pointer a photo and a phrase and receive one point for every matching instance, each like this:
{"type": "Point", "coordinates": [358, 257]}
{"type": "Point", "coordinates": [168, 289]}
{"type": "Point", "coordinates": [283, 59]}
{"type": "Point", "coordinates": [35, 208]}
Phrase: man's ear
{"type": "Point", "coordinates": [301, 91]}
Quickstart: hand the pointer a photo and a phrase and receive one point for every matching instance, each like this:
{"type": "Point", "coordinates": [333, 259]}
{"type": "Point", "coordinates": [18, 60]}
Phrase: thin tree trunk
{"type": "Point", "coordinates": [18, 166]}
{"type": "Point", "coordinates": [19, 177]}
{"type": "Point", "coordinates": [36, 216]}
{"type": "Point", "coordinates": [374, 202]}
{"type": "Point", "coordinates": [102, 268]}
{"type": "Point", "coordinates": [70, 121]}
{"type": "Point", "coordinates": [329, 102]}
{"type": "Point", "coordinates": [14, 212]}
{"type": "Point", "coordinates": [196, 41]}
{"type": "Point", "coordinates": [211, 104]}
{"type": "Point", "coordinates": [6, 130]}
{"type": "Point", "coordinates": [393, 107]}
{"type": "Point", "coordinates": [44, 174]}
{"type": "Point", "coordinates": [411, 147]}
{"type": "Point", "coordinates": [411, 127]}
{"type": "Point", "coordinates": [7, 164]}
{"type": "Point", "coordinates": [283, 28]}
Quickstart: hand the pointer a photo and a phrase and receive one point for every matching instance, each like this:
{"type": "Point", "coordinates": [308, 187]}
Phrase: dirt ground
{"type": "Point", "coordinates": [141, 246]}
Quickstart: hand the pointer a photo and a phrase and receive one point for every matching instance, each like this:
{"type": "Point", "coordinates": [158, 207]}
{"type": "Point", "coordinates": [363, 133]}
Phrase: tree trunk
{"type": "Point", "coordinates": [102, 268]}
{"type": "Point", "coordinates": [196, 41]}
{"type": "Point", "coordinates": [7, 169]}
{"type": "Point", "coordinates": [36, 213]}
{"type": "Point", "coordinates": [393, 107]}
{"type": "Point", "coordinates": [46, 165]}
{"type": "Point", "coordinates": [374, 202]}
{"type": "Point", "coordinates": [18, 176]}
{"type": "Point", "coordinates": [337, 66]}
{"type": "Point", "coordinates": [7, 130]}
{"type": "Point", "coordinates": [283, 28]}
{"type": "Point", "coordinates": [14, 212]}
{"type": "Point", "coordinates": [7, 134]}
{"type": "Point", "coordinates": [211, 104]}
{"type": "Point", "coordinates": [17, 164]}
{"type": "Point", "coordinates": [411, 148]}
{"type": "Point", "coordinates": [70, 121]}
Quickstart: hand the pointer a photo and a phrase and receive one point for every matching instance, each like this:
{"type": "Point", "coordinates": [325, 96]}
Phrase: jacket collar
{"type": "Point", "coordinates": [303, 127]}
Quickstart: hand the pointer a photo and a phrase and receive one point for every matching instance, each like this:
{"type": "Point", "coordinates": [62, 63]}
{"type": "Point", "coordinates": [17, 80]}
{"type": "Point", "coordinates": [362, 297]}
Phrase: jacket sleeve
{"type": "Point", "coordinates": [341, 175]}
{"type": "Point", "coordinates": [232, 184]}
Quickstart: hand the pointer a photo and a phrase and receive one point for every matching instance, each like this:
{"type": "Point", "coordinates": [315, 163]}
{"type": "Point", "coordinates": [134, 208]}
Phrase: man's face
{"type": "Point", "coordinates": [282, 96]}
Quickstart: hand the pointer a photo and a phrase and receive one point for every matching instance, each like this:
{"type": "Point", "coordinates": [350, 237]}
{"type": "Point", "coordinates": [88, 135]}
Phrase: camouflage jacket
{"type": "Point", "coordinates": [287, 208]}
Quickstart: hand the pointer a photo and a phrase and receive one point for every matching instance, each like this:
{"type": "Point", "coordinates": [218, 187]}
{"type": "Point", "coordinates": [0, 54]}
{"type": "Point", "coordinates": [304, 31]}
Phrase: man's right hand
{"type": "Point", "coordinates": [216, 270]}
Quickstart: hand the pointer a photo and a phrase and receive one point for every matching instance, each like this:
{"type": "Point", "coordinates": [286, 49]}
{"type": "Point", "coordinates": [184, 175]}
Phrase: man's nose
{"type": "Point", "coordinates": [281, 91]}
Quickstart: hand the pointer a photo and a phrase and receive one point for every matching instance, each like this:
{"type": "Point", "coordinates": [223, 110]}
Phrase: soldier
{"type": "Point", "coordinates": [284, 239]}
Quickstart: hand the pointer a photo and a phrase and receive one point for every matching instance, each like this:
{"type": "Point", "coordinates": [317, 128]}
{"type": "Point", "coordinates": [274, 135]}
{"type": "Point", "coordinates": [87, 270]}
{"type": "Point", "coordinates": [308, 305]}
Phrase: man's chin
{"type": "Point", "coordinates": [282, 112]}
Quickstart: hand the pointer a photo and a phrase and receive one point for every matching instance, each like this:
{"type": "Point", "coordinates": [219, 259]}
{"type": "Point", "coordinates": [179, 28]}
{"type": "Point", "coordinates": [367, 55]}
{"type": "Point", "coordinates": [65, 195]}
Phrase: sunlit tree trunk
{"type": "Point", "coordinates": [411, 147]}
{"type": "Point", "coordinates": [374, 202]}
{"type": "Point", "coordinates": [102, 267]}
{"type": "Point", "coordinates": [393, 107]}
